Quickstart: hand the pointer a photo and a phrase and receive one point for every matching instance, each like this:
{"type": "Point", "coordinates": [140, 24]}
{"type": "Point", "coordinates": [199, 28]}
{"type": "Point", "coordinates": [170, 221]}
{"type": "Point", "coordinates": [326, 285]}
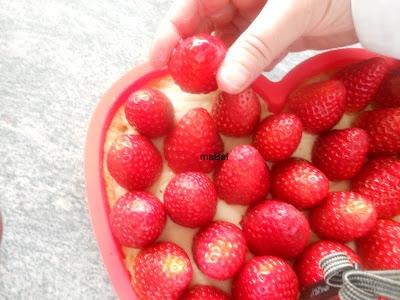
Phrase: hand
{"type": "Point", "coordinates": [262, 32]}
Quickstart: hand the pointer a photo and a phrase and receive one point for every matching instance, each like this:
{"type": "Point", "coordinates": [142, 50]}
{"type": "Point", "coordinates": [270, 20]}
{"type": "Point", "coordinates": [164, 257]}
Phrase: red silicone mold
{"type": "Point", "coordinates": [274, 93]}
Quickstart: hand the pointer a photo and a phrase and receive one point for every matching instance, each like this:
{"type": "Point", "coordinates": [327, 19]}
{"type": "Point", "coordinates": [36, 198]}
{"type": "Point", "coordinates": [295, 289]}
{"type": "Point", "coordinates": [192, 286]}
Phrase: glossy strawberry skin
{"type": "Point", "coordinates": [236, 115]}
{"type": "Point", "coordinates": [137, 219]}
{"type": "Point", "coordinates": [161, 271]}
{"type": "Point", "coordinates": [275, 228]}
{"type": "Point", "coordinates": [383, 128]}
{"type": "Point", "coordinates": [134, 162]}
{"type": "Point", "coordinates": [195, 61]}
{"type": "Point", "coordinates": [219, 250]}
{"type": "Point", "coordinates": [343, 217]}
{"type": "Point", "coordinates": [204, 292]}
{"type": "Point", "coordinates": [389, 92]}
{"type": "Point", "coordinates": [194, 135]}
{"type": "Point", "coordinates": [340, 154]}
{"type": "Point", "coordinates": [380, 248]}
{"type": "Point", "coordinates": [299, 183]}
{"type": "Point", "coordinates": [278, 136]}
{"type": "Point", "coordinates": [307, 265]}
{"type": "Point", "coordinates": [318, 105]}
{"type": "Point", "coordinates": [266, 277]}
{"type": "Point", "coordinates": [232, 180]}
{"type": "Point", "coordinates": [362, 81]}
{"type": "Point", "coordinates": [379, 180]}
{"type": "Point", "coordinates": [190, 199]}
{"type": "Point", "coordinates": [150, 112]}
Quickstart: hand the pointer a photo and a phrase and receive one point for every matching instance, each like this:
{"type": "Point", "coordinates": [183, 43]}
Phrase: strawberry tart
{"type": "Point", "coordinates": [213, 197]}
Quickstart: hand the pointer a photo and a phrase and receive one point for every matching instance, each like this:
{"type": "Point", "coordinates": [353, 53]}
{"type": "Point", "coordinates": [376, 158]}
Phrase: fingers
{"type": "Point", "coordinates": [216, 20]}
{"type": "Point", "coordinates": [249, 9]}
{"type": "Point", "coordinates": [182, 20]}
{"type": "Point", "coordinates": [277, 60]}
{"type": "Point", "coordinates": [246, 5]}
{"type": "Point", "coordinates": [323, 42]}
{"type": "Point", "coordinates": [167, 37]}
{"type": "Point", "coordinates": [223, 16]}
{"type": "Point", "coordinates": [278, 25]}
{"type": "Point", "coordinates": [228, 34]}
{"type": "Point", "coordinates": [205, 26]}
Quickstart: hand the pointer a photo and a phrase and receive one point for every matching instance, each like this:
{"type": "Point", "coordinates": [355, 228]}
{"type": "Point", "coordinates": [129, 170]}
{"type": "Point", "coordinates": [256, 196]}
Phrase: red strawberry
{"type": "Point", "coordinates": [134, 162]}
{"type": "Point", "coordinates": [204, 292]}
{"type": "Point", "coordinates": [150, 112]}
{"type": "Point", "coordinates": [299, 183]}
{"type": "Point", "coordinates": [383, 128]}
{"type": "Point", "coordinates": [219, 250]}
{"type": "Point", "coordinates": [343, 217]}
{"type": "Point", "coordinates": [307, 265]}
{"type": "Point", "coordinates": [266, 277]}
{"type": "Point", "coordinates": [275, 228]}
{"type": "Point", "coordinates": [379, 180]}
{"type": "Point", "coordinates": [195, 61]}
{"type": "Point", "coordinates": [243, 178]}
{"type": "Point", "coordinates": [190, 199]}
{"type": "Point", "coordinates": [340, 154]}
{"type": "Point", "coordinates": [236, 115]}
{"type": "Point", "coordinates": [380, 248]}
{"type": "Point", "coordinates": [137, 219]}
{"type": "Point", "coordinates": [161, 271]}
{"type": "Point", "coordinates": [318, 105]}
{"type": "Point", "coordinates": [362, 81]}
{"type": "Point", "coordinates": [194, 135]}
{"type": "Point", "coordinates": [389, 92]}
{"type": "Point", "coordinates": [278, 136]}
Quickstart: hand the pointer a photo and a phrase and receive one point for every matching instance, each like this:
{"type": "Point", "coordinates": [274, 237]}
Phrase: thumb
{"type": "Point", "coordinates": [277, 26]}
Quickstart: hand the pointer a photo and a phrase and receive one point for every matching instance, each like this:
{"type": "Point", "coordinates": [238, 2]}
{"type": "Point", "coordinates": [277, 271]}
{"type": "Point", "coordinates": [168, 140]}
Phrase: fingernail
{"type": "Point", "coordinates": [233, 77]}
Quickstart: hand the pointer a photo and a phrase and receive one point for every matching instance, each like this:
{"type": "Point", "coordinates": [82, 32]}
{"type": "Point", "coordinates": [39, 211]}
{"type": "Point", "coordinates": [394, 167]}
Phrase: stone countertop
{"type": "Point", "coordinates": [57, 57]}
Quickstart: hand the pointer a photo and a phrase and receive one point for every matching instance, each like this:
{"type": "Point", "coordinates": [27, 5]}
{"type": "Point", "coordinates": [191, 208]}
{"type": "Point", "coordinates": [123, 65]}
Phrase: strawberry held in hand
{"type": "Point", "coordinates": [195, 61]}
{"type": "Point", "coordinates": [265, 277]}
{"type": "Point", "coordinates": [190, 199]}
{"type": "Point", "coordinates": [307, 265]}
{"type": "Point", "coordinates": [150, 112]}
{"type": "Point", "coordinates": [194, 135]}
{"type": "Point", "coordinates": [275, 228]}
{"type": "Point", "coordinates": [362, 81]}
{"type": "Point", "coordinates": [204, 292]}
{"type": "Point", "coordinates": [383, 128]}
{"type": "Point", "coordinates": [389, 92]}
{"type": "Point", "coordinates": [161, 271]}
{"type": "Point", "coordinates": [380, 249]}
{"type": "Point", "coordinates": [343, 217]}
{"type": "Point", "coordinates": [278, 136]}
{"type": "Point", "coordinates": [137, 219]}
{"type": "Point", "coordinates": [236, 115]}
{"type": "Point", "coordinates": [340, 154]}
{"type": "Point", "coordinates": [243, 178]}
{"type": "Point", "coordinates": [219, 250]}
{"type": "Point", "coordinates": [299, 183]}
{"type": "Point", "coordinates": [318, 105]}
{"type": "Point", "coordinates": [134, 162]}
{"type": "Point", "coordinates": [379, 180]}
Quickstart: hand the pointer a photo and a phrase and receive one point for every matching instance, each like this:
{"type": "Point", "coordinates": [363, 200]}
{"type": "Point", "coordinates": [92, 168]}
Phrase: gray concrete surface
{"type": "Point", "coordinates": [56, 58]}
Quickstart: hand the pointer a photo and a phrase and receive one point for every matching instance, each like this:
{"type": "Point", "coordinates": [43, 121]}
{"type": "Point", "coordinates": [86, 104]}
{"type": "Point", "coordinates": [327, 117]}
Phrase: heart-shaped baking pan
{"type": "Point", "coordinates": [274, 93]}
